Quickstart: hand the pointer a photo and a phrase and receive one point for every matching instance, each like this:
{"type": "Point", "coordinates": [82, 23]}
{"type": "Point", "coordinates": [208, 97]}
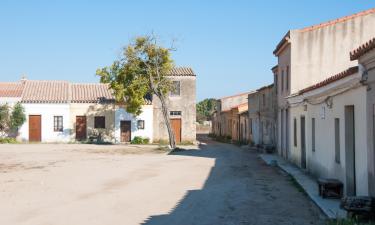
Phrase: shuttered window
{"type": "Point", "coordinates": [58, 124]}
{"type": "Point", "coordinates": [313, 134]}
{"type": "Point", "coordinates": [337, 140]}
{"type": "Point", "coordinates": [99, 122]}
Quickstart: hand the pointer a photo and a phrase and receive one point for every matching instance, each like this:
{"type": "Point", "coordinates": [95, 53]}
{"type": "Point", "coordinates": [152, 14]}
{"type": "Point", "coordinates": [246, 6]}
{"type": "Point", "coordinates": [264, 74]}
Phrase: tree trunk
{"type": "Point", "coordinates": [172, 140]}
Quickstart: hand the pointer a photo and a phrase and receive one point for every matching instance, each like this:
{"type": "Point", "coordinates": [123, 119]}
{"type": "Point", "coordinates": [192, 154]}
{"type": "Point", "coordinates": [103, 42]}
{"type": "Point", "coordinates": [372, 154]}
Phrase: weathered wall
{"type": "Point", "coordinates": [368, 61]}
{"type": "Point", "coordinates": [321, 163]}
{"type": "Point", "coordinates": [322, 52]}
{"type": "Point", "coordinates": [228, 102]}
{"type": "Point", "coordinates": [186, 103]}
{"type": "Point", "coordinates": [262, 111]}
{"type": "Point", "coordinates": [90, 110]}
{"type": "Point", "coordinates": [283, 90]}
{"type": "Point", "coordinates": [47, 112]}
{"type": "Point", "coordinates": [146, 115]}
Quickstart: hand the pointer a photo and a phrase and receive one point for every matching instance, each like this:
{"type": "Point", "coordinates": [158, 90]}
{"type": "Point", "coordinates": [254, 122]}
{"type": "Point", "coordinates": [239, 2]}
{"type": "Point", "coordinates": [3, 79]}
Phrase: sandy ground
{"type": "Point", "coordinates": [88, 184]}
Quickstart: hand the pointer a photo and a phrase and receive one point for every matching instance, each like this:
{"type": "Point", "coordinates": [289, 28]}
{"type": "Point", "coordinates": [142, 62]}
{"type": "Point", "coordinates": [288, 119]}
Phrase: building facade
{"type": "Point", "coordinates": [60, 111]}
{"type": "Point", "coordinates": [262, 113]}
{"type": "Point", "coordinates": [182, 108]}
{"type": "Point", "coordinates": [325, 102]}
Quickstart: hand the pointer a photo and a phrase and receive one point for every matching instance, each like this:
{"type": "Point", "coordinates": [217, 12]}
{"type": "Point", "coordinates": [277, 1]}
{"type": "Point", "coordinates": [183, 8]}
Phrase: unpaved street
{"type": "Point", "coordinates": [88, 184]}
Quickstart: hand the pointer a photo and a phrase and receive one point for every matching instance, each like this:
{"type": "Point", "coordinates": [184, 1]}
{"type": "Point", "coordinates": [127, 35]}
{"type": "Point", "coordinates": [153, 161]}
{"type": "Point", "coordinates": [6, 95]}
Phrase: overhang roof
{"type": "Point", "coordinates": [363, 49]}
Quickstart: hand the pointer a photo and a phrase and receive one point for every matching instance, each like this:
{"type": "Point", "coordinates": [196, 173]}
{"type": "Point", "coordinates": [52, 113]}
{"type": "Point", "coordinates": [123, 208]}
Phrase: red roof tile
{"type": "Point", "coordinates": [11, 89]}
{"type": "Point", "coordinates": [181, 71]}
{"type": "Point", "coordinates": [90, 93]}
{"type": "Point", "coordinates": [363, 49]}
{"type": "Point", "coordinates": [332, 79]}
{"type": "Point", "coordinates": [339, 20]}
{"type": "Point", "coordinates": [45, 92]}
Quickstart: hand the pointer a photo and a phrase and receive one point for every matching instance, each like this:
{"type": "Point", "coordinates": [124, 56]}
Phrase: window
{"type": "Point", "coordinates": [313, 134]}
{"type": "Point", "coordinates": [287, 78]}
{"type": "Point", "coordinates": [141, 124]}
{"type": "Point", "coordinates": [99, 122]}
{"type": "Point", "coordinates": [337, 140]}
{"type": "Point", "coordinates": [295, 131]}
{"type": "Point", "coordinates": [176, 88]}
{"type": "Point", "coordinates": [282, 80]}
{"type": "Point", "coordinates": [264, 99]}
{"type": "Point", "coordinates": [175, 113]}
{"type": "Point", "coordinates": [245, 127]}
{"type": "Point", "coordinates": [58, 124]}
{"type": "Point", "coordinates": [251, 126]}
{"type": "Point", "coordinates": [276, 83]}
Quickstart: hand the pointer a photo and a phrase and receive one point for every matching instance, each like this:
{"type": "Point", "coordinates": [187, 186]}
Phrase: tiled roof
{"type": "Point", "coordinates": [181, 71]}
{"type": "Point", "coordinates": [363, 49]}
{"type": "Point", "coordinates": [321, 25]}
{"type": "Point", "coordinates": [246, 93]}
{"type": "Point", "coordinates": [332, 79]}
{"type": "Point", "coordinates": [265, 87]}
{"type": "Point", "coordinates": [90, 93]}
{"type": "Point", "coordinates": [45, 92]}
{"type": "Point", "coordinates": [339, 20]}
{"type": "Point", "coordinates": [282, 42]}
{"type": "Point", "coordinates": [11, 89]}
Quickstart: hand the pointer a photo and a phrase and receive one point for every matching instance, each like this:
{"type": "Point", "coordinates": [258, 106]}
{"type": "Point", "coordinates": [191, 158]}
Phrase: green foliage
{"type": "Point", "coordinates": [140, 140]}
{"type": "Point", "coordinates": [142, 70]}
{"type": "Point", "coordinates": [350, 221]}
{"type": "Point", "coordinates": [4, 118]}
{"type": "Point", "coordinates": [11, 119]}
{"type": "Point", "coordinates": [18, 116]}
{"type": "Point", "coordinates": [205, 109]}
{"type": "Point", "coordinates": [7, 140]}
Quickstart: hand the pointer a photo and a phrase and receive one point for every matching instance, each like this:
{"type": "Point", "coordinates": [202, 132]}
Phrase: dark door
{"type": "Point", "coordinates": [350, 151]}
{"type": "Point", "coordinates": [303, 143]}
{"type": "Point", "coordinates": [35, 125]}
{"type": "Point", "coordinates": [81, 127]}
{"type": "Point", "coordinates": [176, 127]}
{"type": "Point", "coordinates": [125, 127]}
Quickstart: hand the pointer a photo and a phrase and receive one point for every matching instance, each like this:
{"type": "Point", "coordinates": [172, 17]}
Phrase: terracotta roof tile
{"type": "Point", "coordinates": [90, 93]}
{"type": "Point", "coordinates": [332, 79]}
{"type": "Point", "coordinates": [363, 49]}
{"type": "Point", "coordinates": [11, 89]}
{"type": "Point", "coordinates": [45, 92]}
{"type": "Point", "coordinates": [182, 71]}
{"type": "Point", "coordinates": [339, 20]}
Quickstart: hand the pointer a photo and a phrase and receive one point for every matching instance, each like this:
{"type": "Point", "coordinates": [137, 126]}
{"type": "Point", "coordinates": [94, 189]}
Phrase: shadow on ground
{"type": "Point", "coordinates": [239, 190]}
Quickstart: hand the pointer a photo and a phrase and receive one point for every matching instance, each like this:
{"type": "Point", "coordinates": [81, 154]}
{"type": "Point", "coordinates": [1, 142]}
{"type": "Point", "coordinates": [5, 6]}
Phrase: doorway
{"type": "Point", "coordinates": [81, 127]}
{"type": "Point", "coordinates": [125, 129]}
{"type": "Point", "coordinates": [303, 143]}
{"type": "Point", "coordinates": [350, 151]}
{"type": "Point", "coordinates": [176, 128]}
{"type": "Point", "coordinates": [35, 128]}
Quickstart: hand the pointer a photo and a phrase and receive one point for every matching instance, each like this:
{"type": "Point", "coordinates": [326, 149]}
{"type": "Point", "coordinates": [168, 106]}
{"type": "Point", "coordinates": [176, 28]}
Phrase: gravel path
{"type": "Point", "coordinates": [217, 184]}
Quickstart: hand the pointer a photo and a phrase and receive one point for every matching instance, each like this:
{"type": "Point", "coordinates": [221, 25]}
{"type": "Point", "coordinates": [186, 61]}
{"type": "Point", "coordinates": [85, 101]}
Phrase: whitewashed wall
{"type": "Point", "coordinates": [321, 163]}
{"type": "Point", "coordinates": [47, 112]}
{"type": "Point", "coordinates": [146, 115]}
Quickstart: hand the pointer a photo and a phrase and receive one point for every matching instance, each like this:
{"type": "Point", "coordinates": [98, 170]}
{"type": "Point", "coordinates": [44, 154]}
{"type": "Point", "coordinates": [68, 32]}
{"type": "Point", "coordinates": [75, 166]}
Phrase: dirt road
{"type": "Point", "coordinates": [88, 184]}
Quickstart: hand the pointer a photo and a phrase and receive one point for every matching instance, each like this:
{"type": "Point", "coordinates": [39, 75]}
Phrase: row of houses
{"type": "Point", "coordinates": [61, 111]}
{"type": "Point", "coordinates": [319, 112]}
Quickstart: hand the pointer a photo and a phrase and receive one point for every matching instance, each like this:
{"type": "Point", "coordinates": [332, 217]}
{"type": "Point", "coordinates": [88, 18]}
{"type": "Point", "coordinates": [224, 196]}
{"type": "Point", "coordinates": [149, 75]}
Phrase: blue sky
{"type": "Point", "coordinates": [228, 43]}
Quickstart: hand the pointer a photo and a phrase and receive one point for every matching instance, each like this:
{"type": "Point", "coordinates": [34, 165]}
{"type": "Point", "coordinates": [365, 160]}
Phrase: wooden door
{"type": "Point", "coordinates": [176, 128]}
{"type": "Point", "coordinates": [350, 151]}
{"type": "Point", "coordinates": [81, 127]}
{"type": "Point", "coordinates": [35, 128]}
{"type": "Point", "coordinates": [125, 128]}
{"type": "Point", "coordinates": [303, 143]}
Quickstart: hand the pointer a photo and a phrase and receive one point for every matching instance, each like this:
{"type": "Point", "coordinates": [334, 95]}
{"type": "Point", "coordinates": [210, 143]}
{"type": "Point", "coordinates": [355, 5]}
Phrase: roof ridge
{"type": "Point", "coordinates": [363, 49]}
{"type": "Point", "coordinates": [338, 20]}
{"type": "Point", "coordinates": [331, 79]}
{"type": "Point", "coordinates": [243, 93]}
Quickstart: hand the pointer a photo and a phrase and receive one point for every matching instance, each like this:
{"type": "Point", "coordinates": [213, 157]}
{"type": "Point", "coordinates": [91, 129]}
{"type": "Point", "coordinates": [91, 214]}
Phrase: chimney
{"type": "Point", "coordinates": [23, 79]}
